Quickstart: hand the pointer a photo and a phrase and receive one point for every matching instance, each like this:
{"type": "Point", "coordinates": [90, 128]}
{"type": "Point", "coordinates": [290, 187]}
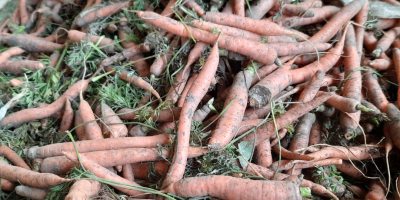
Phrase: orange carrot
{"type": "Point", "coordinates": [105, 44]}
{"type": "Point", "coordinates": [80, 129]}
{"type": "Point", "coordinates": [194, 96]}
{"type": "Point", "coordinates": [289, 154]}
{"type": "Point", "coordinates": [233, 115]}
{"type": "Point", "coordinates": [6, 185]}
{"type": "Point", "coordinates": [165, 115]}
{"type": "Point", "coordinates": [52, 150]}
{"type": "Point", "coordinates": [265, 131]}
{"type": "Point", "coordinates": [30, 43]}
{"type": "Point", "coordinates": [18, 66]}
{"type": "Point", "coordinates": [127, 172]}
{"type": "Point", "coordinates": [26, 115]}
{"type": "Point", "coordinates": [320, 15]}
{"type": "Point", "coordinates": [83, 189]}
{"type": "Point", "coordinates": [386, 40]}
{"type": "Point", "coordinates": [61, 165]}
{"type": "Point", "coordinates": [396, 61]}
{"type": "Point", "coordinates": [376, 190]}
{"type": "Point", "coordinates": [13, 157]}
{"type": "Point", "coordinates": [238, 45]}
{"type": "Point", "coordinates": [238, 7]}
{"type": "Point", "coordinates": [294, 10]}
{"type": "Point", "coordinates": [361, 18]}
{"type": "Point", "coordinates": [315, 134]}
{"type": "Point", "coordinates": [259, 9]}
{"type": "Point", "coordinates": [135, 80]}
{"type": "Point", "coordinates": [374, 93]}
{"type": "Point", "coordinates": [159, 65]}
{"type": "Point", "coordinates": [102, 172]}
{"type": "Point", "coordinates": [393, 114]}
{"type": "Point", "coordinates": [347, 153]}
{"type": "Point", "coordinates": [100, 13]}
{"type": "Point", "coordinates": [150, 169]}
{"type": "Point", "coordinates": [350, 170]}
{"type": "Point", "coordinates": [92, 129]}
{"type": "Point", "coordinates": [232, 188]}
{"type": "Point", "coordinates": [194, 6]}
{"type": "Point", "coordinates": [67, 119]}
{"type": "Point", "coordinates": [29, 178]}
{"type": "Point", "coordinates": [186, 89]}
{"type": "Point", "coordinates": [289, 164]}
{"type": "Point", "coordinates": [23, 12]}
{"type": "Point", "coordinates": [381, 64]}
{"type": "Point", "coordinates": [31, 192]}
{"type": "Point", "coordinates": [263, 154]}
{"type": "Point", "coordinates": [112, 125]}
{"type": "Point", "coordinates": [13, 51]}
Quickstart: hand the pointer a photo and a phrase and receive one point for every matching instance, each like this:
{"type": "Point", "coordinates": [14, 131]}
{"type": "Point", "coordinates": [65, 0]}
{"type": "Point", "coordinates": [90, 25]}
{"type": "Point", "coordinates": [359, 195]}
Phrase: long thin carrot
{"type": "Point", "coordinates": [254, 50]}
{"type": "Point", "coordinates": [361, 18]}
{"type": "Point", "coordinates": [396, 61]}
{"type": "Point", "coordinates": [352, 153]}
{"type": "Point", "coordinates": [100, 13]}
{"type": "Point", "coordinates": [56, 149]}
{"type": "Point", "coordinates": [29, 178]}
{"type": "Point", "coordinates": [92, 129]}
{"type": "Point", "coordinates": [26, 115]}
{"type": "Point", "coordinates": [305, 164]}
{"type": "Point", "coordinates": [321, 14]}
{"type": "Point", "coordinates": [233, 188]}
{"type": "Point", "coordinates": [385, 42]}
{"type": "Point", "coordinates": [30, 43]}
{"type": "Point", "coordinates": [195, 94]}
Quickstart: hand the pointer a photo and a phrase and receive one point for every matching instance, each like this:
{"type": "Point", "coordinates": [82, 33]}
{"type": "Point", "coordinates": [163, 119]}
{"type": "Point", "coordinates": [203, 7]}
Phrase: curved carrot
{"type": "Point", "coordinates": [233, 115]}
{"type": "Point", "coordinates": [195, 94]}
{"type": "Point", "coordinates": [68, 118]}
{"type": "Point", "coordinates": [101, 13]}
{"type": "Point", "coordinates": [83, 189]}
{"type": "Point", "coordinates": [254, 50]}
{"type": "Point", "coordinates": [26, 115]}
{"type": "Point", "coordinates": [233, 188]}
{"type": "Point", "coordinates": [29, 178]}
{"type": "Point", "coordinates": [52, 150]}
{"type": "Point", "coordinates": [13, 157]}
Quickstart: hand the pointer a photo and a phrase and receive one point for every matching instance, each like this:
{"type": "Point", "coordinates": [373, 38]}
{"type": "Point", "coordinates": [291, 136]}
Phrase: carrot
{"type": "Point", "coordinates": [194, 96]}
{"type": "Point", "coordinates": [54, 57]}
{"type": "Point", "coordinates": [3, 26]}
{"type": "Point", "coordinates": [345, 153]}
{"type": "Point", "coordinates": [135, 80]}
{"type": "Point", "coordinates": [289, 154]}
{"type": "Point", "coordinates": [143, 170]}
{"type": "Point", "coordinates": [92, 129]}
{"type": "Point", "coordinates": [294, 10]}
{"type": "Point", "coordinates": [381, 64]}
{"type": "Point", "coordinates": [15, 82]}
{"type": "Point", "coordinates": [23, 12]}
{"type": "Point", "coordinates": [13, 157]}
{"type": "Point", "coordinates": [238, 7]}
{"type": "Point", "coordinates": [105, 44]}
{"type": "Point", "coordinates": [182, 76]}
{"type": "Point", "coordinates": [259, 9]}
{"type": "Point", "coordinates": [361, 18]}
{"type": "Point", "coordinates": [127, 172]}
{"type": "Point", "coordinates": [376, 190]}
{"type": "Point", "coordinates": [357, 191]}
{"type": "Point", "coordinates": [232, 188]}
{"type": "Point", "coordinates": [315, 134]}
{"type": "Point", "coordinates": [168, 12]}
{"type": "Point", "coordinates": [103, 12]}
{"type": "Point", "coordinates": [396, 61]}
{"type": "Point", "coordinates": [233, 115]}
{"type": "Point", "coordinates": [320, 15]}
{"type": "Point", "coordinates": [80, 129]}
{"type": "Point", "coordinates": [374, 93]}
{"type": "Point", "coordinates": [257, 113]}
{"type": "Point", "coordinates": [282, 134]}
{"type": "Point", "coordinates": [166, 115]}
{"type": "Point", "coordinates": [6, 185]}
{"type": "Point", "coordinates": [337, 21]}
{"type": "Point", "coordinates": [159, 65]}
{"type": "Point", "coordinates": [263, 156]}
{"type": "Point", "coordinates": [386, 40]}
{"type": "Point", "coordinates": [194, 6]}
{"type": "Point", "coordinates": [30, 114]}
{"type": "Point", "coordinates": [267, 173]}
{"type": "Point", "coordinates": [31, 192]}
{"type": "Point", "coordinates": [302, 134]}
{"type": "Point", "coordinates": [350, 170]}
{"type": "Point", "coordinates": [102, 172]}
{"type": "Point", "coordinates": [18, 66]}
{"type": "Point", "coordinates": [56, 149]}
{"type": "Point", "coordinates": [256, 26]}
{"type": "Point", "coordinates": [393, 114]}
{"type": "Point", "coordinates": [261, 93]}
{"type": "Point", "coordinates": [228, 7]}
{"type": "Point", "coordinates": [267, 130]}
{"type": "Point", "coordinates": [186, 89]}
{"type": "Point", "coordinates": [373, 110]}
{"type": "Point", "coordinates": [61, 165]}
{"type": "Point", "coordinates": [29, 178]}
{"type": "Point", "coordinates": [254, 50]}
{"type": "Point", "coordinates": [83, 189]}
{"type": "Point", "coordinates": [289, 164]}
{"type": "Point", "coordinates": [13, 51]}
{"type": "Point", "coordinates": [29, 43]}
{"type": "Point", "coordinates": [67, 119]}
{"type": "Point", "coordinates": [202, 113]}
{"type": "Point", "coordinates": [112, 125]}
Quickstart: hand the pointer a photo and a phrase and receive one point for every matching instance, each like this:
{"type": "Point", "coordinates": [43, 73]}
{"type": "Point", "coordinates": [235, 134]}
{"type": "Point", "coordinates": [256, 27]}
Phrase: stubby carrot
{"type": "Point", "coordinates": [233, 188]}
{"type": "Point", "coordinates": [6, 185]}
{"type": "Point", "coordinates": [361, 18]}
{"type": "Point", "coordinates": [29, 178]}
{"type": "Point", "coordinates": [83, 189]}
{"type": "Point", "coordinates": [376, 190]}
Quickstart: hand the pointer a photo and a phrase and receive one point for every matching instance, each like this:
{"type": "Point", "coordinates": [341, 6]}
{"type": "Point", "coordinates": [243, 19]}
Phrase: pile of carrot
{"type": "Point", "coordinates": [212, 99]}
